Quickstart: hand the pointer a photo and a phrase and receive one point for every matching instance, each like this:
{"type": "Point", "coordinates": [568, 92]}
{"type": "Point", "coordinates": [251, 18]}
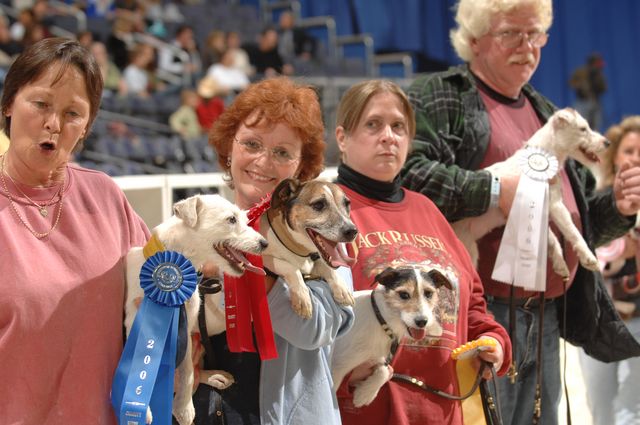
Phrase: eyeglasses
{"type": "Point", "coordinates": [279, 154]}
{"type": "Point", "coordinates": [513, 39]}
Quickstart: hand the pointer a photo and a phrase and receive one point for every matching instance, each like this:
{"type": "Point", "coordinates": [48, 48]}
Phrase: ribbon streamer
{"type": "Point", "coordinates": [144, 377]}
{"type": "Point", "coordinates": [522, 255]}
{"type": "Point", "coordinates": [245, 300]}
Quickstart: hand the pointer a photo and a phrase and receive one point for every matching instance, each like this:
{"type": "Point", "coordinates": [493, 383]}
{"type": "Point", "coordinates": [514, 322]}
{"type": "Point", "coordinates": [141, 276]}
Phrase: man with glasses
{"type": "Point", "coordinates": [482, 112]}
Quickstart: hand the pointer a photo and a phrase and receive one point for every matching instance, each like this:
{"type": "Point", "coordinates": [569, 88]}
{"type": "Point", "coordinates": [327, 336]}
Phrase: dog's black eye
{"type": "Point", "coordinates": [583, 129]}
{"type": "Point", "coordinates": [347, 204]}
{"type": "Point", "coordinates": [232, 220]}
{"type": "Point", "coordinates": [404, 295]}
{"type": "Point", "coordinates": [428, 294]}
{"type": "Point", "coordinates": [319, 205]}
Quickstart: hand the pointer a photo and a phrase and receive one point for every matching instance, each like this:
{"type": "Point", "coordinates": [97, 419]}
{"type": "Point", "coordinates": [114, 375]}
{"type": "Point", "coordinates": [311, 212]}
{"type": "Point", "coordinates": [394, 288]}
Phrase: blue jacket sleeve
{"type": "Point", "coordinates": [328, 319]}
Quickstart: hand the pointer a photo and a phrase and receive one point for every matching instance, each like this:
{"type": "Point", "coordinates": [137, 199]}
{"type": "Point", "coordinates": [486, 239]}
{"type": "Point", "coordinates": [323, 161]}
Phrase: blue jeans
{"type": "Point", "coordinates": [612, 388]}
{"type": "Point", "coordinates": [517, 400]}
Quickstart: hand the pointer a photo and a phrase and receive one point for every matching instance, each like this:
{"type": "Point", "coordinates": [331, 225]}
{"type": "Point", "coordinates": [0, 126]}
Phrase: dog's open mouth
{"type": "Point", "coordinates": [333, 253]}
{"type": "Point", "coordinates": [590, 155]}
{"type": "Point", "coordinates": [236, 259]}
{"type": "Point", "coordinates": [417, 333]}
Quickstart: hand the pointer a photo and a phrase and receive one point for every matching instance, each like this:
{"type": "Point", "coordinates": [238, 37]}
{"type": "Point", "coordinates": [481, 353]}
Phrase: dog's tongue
{"type": "Point", "coordinates": [417, 333]}
{"type": "Point", "coordinates": [339, 254]}
{"type": "Point", "coordinates": [247, 264]}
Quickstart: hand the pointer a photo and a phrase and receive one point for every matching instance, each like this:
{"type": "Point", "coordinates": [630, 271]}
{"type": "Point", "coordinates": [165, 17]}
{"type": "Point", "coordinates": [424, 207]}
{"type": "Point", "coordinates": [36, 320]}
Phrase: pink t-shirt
{"type": "Point", "coordinates": [512, 124]}
{"type": "Point", "coordinates": [61, 301]}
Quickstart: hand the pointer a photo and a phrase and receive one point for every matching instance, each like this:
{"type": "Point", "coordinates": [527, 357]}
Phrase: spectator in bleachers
{"type": "Point", "coordinates": [8, 47]}
{"type": "Point", "coordinates": [214, 46]}
{"type": "Point", "coordinates": [138, 75]}
{"type": "Point", "coordinates": [169, 62]}
{"type": "Point", "coordinates": [294, 43]}
{"type": "Point", "coordinates": [211, 103]}
{"type": "Point", "coordinates": [240, 56]}
{"type": "Point", "coordinates": [184, 121]}
{"type": "Point", "coordinates": [33, 34]}
{"type": "Point", "coordinates": [113, 81]}
{"type": "Point", "coordinates": [25, 20]}
{"type": "Point", "coordinates": [265, 57]}
{"type": "Point", "coordinates": [230, 79]}
{"type": "Point", "coordinates": [119, 40]}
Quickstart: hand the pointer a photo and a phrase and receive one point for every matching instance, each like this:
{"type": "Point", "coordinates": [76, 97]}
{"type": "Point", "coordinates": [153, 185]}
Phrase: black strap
{"type": "Point", "coordinates": [420, 384]}
{"type": "Point", "coordinates": [564, 363]}
{"type": "Point", "coordinates": [395, 343]}
{"type": "Point", "coordinates": [205, 287]}
{"type": "Point", "coordinates": [512, 373]}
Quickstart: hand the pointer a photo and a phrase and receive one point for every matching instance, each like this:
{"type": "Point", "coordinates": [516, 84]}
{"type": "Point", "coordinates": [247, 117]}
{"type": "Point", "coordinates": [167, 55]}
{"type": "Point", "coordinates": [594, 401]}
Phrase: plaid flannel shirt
{"type": "Point", "coordinates": [453, 133]}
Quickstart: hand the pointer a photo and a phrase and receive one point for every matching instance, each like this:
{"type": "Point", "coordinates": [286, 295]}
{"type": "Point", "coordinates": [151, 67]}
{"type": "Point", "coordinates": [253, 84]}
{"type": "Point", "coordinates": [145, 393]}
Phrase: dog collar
{"type": "Point", "coordinates": [153, 246]}
{"type": "Point", "coordinates": [386, 328]}
{"type": "Point", "coordinates": [277, 224]}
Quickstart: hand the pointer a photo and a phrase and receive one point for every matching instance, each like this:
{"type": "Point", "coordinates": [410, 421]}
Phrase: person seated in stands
{"type": "Point", "coordinates": [211, 103]}
{"type": "Point", "coordinates": [138, 75]}
{"type": "Point", "coordinates": [184, 120]}
{"type": "Point", "coordinates": [265, 57]}
{"type": "Point", "coordinates": [294, 43]}
{"type": "Point", "coordinates": [239, 55]}
{"type": "Point", "coordinates": [214, 46]}
{"type": "Point", "coordinates": [229, 77]}
{"type": "Point", "coordinates": [169, 62]}
{"type": "Point", "coordinates": [9, 49]}
{"type": "Point", "coordinates": [111, 75]}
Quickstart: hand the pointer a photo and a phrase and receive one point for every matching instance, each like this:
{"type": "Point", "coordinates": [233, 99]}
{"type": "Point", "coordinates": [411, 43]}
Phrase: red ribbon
{"type": "Point", "coordinates": [245, 299]}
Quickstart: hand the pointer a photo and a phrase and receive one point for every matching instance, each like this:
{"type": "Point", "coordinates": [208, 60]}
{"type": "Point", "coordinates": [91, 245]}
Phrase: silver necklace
{"type": "Point", "coordinates": [38, 235]}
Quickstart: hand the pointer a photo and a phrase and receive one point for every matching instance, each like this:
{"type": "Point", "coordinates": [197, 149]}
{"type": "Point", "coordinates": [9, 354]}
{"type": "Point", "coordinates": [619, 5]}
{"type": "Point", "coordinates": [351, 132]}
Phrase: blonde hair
{"type": "Point", "coordinates": [356, 98]}
{"type": "Point", "coordinates": [615, 134]}
{"type": "Point", "coordinates": [474, 20]}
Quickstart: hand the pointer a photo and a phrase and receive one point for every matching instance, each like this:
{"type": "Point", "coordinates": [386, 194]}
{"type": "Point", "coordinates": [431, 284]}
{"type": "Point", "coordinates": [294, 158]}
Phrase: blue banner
{"type": "Point", "coordinates": [144, 377]}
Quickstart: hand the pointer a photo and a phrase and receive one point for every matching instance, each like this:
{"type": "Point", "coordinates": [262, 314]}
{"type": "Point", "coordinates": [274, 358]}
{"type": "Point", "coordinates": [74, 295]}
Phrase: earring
{"type": "Point", "coordinates": [228, 162]}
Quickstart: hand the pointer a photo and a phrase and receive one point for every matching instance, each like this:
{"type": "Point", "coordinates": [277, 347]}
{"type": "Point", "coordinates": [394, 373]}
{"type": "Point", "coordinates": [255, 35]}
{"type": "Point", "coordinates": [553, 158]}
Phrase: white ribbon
{"type": "Point", "coordinates": [522, 256]}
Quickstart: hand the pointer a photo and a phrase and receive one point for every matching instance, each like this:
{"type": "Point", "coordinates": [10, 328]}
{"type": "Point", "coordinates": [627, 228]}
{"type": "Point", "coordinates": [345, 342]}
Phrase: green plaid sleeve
{"type": "Point", "coordinates": [436, 165]}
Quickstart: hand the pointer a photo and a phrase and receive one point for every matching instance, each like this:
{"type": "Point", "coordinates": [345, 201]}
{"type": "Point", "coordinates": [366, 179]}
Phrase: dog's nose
{"type": "Point", "coordinates": [263, 244]}
{"type": "Point", "coordinates": [420, 322]}
{"type": "Point", "coordinates": [350, 232]}
{"type": "Point", "coordinates": [607, 143]}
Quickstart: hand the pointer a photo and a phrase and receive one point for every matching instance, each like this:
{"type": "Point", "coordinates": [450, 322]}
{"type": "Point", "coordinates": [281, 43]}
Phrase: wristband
{"type": "Point", "coordinates": [495, 192]}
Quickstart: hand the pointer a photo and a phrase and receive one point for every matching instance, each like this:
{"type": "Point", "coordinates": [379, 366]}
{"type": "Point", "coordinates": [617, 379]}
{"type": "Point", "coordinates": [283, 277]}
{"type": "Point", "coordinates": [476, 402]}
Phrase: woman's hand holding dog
{"type": "Point", "coordinates": [626, 188]}
{"type": "Point", "coordinates": [493, 355]}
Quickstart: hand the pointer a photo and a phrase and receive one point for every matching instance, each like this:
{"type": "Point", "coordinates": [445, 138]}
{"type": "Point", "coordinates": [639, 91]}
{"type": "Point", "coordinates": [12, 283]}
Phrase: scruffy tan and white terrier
{"type": "Point", "coordinates": [565, 135]}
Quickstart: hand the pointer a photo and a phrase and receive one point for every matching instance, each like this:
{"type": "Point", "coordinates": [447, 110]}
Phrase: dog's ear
{"type": "Point", "coordinates": [439, 279]}
{"type": "Point", "coordinates": [391, 277]}
{"type": "Point", "coordinates": [187, 210]}
{"type": "Point", "coordinates": [286, 190]}
{"type": "Point", "coordinates": [563, 118]}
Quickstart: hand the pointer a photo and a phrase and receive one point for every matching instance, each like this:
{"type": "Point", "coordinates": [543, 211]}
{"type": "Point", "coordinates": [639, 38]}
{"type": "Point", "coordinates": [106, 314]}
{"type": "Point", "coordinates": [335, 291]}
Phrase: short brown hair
{"type": "Point", "coordinates": [355, 100]}
{"type": "Point", "coordinates": [38, 58]}
{"type": "Point", "coordinates": [271, 102]}
{"type": "Point", "coordinates": [615, 134]}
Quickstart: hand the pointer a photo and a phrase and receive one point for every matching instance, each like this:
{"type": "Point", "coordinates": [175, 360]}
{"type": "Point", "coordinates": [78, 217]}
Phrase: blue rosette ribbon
{"type": "Point", "coordinates": [144, 377]}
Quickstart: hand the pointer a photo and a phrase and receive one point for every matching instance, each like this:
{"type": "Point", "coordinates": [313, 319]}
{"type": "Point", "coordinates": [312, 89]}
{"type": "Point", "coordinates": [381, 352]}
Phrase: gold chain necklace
{"type": "Point", "coordinates": [41, 207]}
{"type": "Point", "coordinates": [38, 235]}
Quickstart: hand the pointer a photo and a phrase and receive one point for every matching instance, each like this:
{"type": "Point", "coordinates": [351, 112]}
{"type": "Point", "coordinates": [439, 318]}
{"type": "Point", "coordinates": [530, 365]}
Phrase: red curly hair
{"type": "Point", "coordinates": [271, 102]}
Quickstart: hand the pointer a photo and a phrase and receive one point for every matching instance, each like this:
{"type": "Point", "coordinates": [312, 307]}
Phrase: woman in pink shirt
{"type": "Point", "coordinates": [64, 232]}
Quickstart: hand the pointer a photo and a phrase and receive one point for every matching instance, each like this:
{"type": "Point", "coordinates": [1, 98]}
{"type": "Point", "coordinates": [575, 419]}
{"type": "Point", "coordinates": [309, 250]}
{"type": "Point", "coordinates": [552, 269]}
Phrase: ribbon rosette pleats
{"type": "Point", "coordinates": [144, 376]}
{"type": "Point", "coordinates": [522, 256]}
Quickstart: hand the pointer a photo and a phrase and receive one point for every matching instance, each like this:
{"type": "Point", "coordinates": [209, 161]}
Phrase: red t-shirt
{"type": "Point", "coordinates": [391, 232]}
{"type": "Point", "coordinates": [208, 111]}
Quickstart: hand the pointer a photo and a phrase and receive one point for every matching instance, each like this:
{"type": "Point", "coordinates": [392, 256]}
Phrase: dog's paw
{"type": "Point", "coordinates": [186, 415]}
{"type": "Point", "coordinates": [342, 295]}
{"type": "Point", "coordinates": [561, 269]}
{"type": "Point", "coordinates": [301, 302]}
{"type": "Point", "coordinates": [589, 261]}
{"type": "Point", "coordinates": [364, 395]}
{"type": "Point", "coordinates": [218, 379]}
{"type": "Point", "coordinates": [149, 418]}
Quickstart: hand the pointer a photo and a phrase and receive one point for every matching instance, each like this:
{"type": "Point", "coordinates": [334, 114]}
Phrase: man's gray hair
{"type": "Point", "coordinates": [474, 20]}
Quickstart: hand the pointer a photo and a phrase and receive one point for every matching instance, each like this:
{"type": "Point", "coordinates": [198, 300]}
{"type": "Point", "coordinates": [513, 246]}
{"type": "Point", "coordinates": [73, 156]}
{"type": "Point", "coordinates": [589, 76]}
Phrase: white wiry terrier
{"type": "Point", "coordinates": [566, 135]}
{"type": "Point", "coordinates": [204, 228]}
{"type": "Point", "coordinates": [403, 304]}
